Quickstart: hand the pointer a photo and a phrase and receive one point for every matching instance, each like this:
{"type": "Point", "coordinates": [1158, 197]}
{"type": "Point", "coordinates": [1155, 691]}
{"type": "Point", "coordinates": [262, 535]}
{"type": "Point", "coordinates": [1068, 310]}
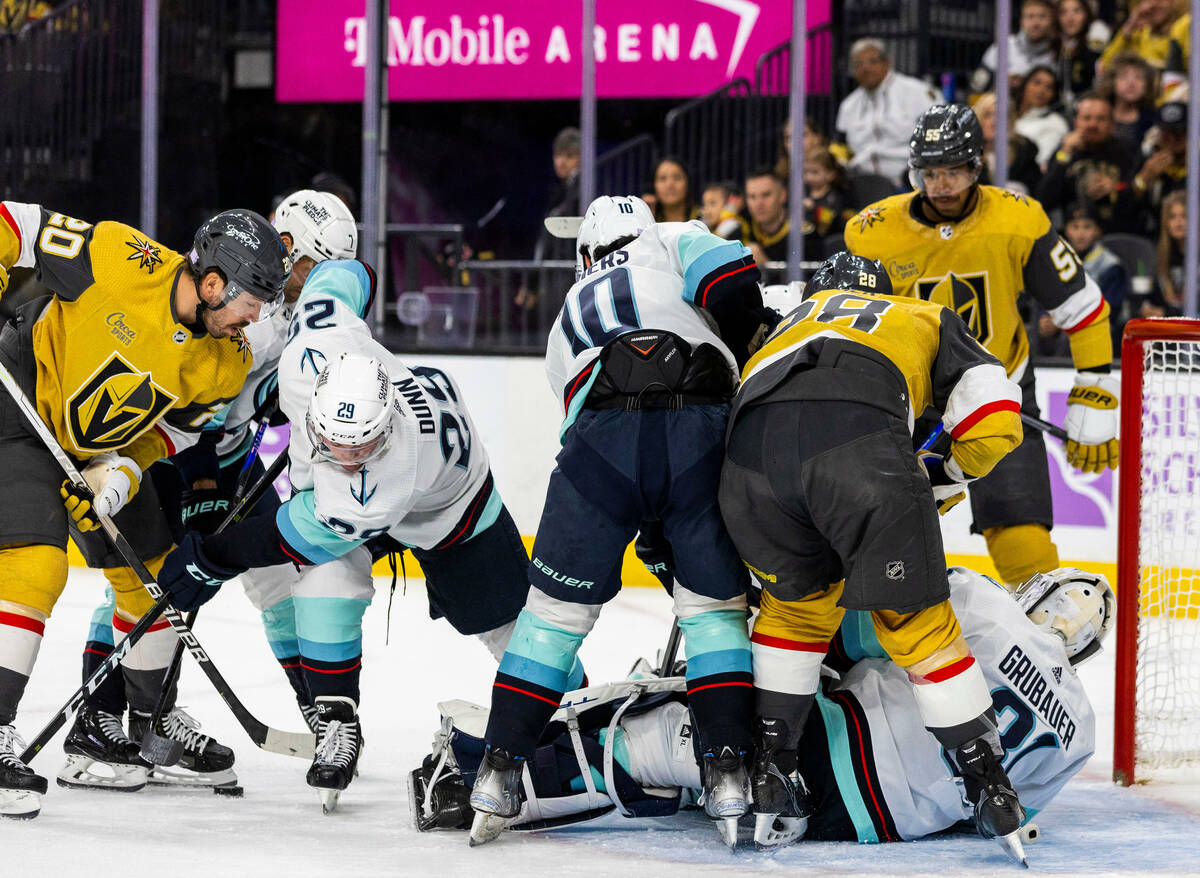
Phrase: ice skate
{"type": "Point", "coordinates": [726, 790]}
{"type": "Point", "coordinates": [21, 790]}
{"type": "Point", "coordinates": [437, 796]}
{"type": "Point", "coordinates": [998, 813]}
{"type": "Point", "coordinates": [205, 763]}
{"type": "Point", "coordinates": [100, 755]}
{"type": "Point", "coordinates": [338, 743]}
{"type": "Point", "coordinates": [782, 803]}
{"type": "Point", "coordinates": [496, 797]}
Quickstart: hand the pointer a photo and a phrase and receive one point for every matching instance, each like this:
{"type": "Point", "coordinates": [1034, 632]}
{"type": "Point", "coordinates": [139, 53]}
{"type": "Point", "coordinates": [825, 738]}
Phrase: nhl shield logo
{"type": "Point", "coordinates": [114, 406]}
{"type": "Point", "coordinates": [894, 570]}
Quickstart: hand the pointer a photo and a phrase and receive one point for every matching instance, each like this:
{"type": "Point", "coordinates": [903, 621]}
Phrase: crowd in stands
{"type": "Point", "coordinates": [1097, 133]}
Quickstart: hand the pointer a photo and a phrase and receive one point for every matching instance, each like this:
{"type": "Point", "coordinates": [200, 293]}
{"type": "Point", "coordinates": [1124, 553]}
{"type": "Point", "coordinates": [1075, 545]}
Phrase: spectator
{"type": "Point", "coordinates": [813, 140]}
{"type": "Point", "coordinates": [563, 200]}
{"type": "Point", "coordinates": [1091, 164]}
{"type": "Point", "coordinates": [1029, 47]}
{"type": "Point", "coordinates": [825, 208]}
{"type": "Point", "coordinates": [1179, 48]}
{"type": "Point", "coordinates": [1167, 299]}
{"type": "Point", "coordinates": [876, 119]}
{"type": "Point", "coordinates": [1147, 32]}
{"type": "Point", "coordinates": [766, 202]}
{"type": "Point", "coordinates": [1082, 37]}
{"type": "Point", "coordinates": [1037, 96]}
{"type": "Point", "coordinates": [1023, 169]}
{"type": "Point", "coordinates": [1128, 84]}
{"type": "Point", "coordinates": [673, 199]}
{"type": "Point", "coordinates": [721, 208]}
{"type": "Point", "coordinates": [1165, 171]}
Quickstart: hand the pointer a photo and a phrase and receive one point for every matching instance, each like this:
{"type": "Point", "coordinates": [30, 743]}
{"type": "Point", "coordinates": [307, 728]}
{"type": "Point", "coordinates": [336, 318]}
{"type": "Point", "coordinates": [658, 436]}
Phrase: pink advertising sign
{"type": "Point", "coordinates": [528, 49]}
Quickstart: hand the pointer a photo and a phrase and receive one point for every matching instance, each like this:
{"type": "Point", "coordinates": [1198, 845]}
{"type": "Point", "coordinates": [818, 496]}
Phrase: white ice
{"type": "Point", "coordinates": [1093, 828]}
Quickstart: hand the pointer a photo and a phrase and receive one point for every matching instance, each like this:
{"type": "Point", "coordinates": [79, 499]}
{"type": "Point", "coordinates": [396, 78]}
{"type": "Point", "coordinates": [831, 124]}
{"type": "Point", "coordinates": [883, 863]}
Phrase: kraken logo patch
{"type": "Point", "coordinates": [965, 295]}
{"type": "Point", "coordinates": [116, 405]}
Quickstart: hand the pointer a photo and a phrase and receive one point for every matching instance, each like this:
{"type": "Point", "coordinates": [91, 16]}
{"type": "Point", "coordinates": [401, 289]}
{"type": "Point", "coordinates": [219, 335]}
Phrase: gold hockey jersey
{"type": "Point", "coordinates": [978, 266]}
{"type": "Point", "coordinates": [116, 368]}
{"type": "Point", "coordinates": [942, 364]}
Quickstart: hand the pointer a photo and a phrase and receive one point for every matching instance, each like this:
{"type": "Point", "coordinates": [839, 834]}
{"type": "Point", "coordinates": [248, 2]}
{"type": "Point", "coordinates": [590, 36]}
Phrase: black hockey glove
{"type": "Point", "coordinates": [653, 550]}
{"type": "Point", "coordinates": [204, 509]}
{"type": "Point", "coordinates": [190, 576]}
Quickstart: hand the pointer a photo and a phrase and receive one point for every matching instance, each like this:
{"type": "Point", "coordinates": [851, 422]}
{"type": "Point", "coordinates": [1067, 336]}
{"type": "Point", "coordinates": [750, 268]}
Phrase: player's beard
{"type": "Point", "coordinates": [214, 322]}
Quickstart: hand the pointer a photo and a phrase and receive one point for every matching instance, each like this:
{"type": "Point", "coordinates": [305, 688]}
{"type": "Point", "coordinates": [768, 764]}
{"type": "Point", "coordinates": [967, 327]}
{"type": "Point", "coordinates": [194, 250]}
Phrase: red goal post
{"type": "Point", "coordinates": [1157, 704]}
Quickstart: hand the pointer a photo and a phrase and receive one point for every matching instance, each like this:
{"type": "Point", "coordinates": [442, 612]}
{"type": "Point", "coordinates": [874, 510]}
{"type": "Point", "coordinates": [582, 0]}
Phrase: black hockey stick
{"type": "Point", "coordinates": [667, 665]}
{"type": "Point", "coordinates": [1045, 426]}
{"type": "Point", "coordinates": [158, 749]}
{"type": "Point", "coordinates": [287, 743]}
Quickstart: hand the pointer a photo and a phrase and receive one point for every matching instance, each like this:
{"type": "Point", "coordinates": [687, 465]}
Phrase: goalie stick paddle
{"type": "Point", "coordinates": [287, 743]}
{"type": "Point", "coordinates": [158, 749]}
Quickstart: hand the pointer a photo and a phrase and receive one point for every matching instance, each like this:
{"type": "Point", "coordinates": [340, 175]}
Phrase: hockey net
{"type": "Point", "coordinates": [1157, 723]}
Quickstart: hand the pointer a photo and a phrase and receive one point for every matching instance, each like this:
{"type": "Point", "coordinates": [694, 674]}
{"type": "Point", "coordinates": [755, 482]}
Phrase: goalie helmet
{"type": "Point", "coordinates": [845, 271]}
{"type": "Point", "coordinates": [609, 218]}
{"type": "Point", "coordinates": [321, 225]}
{"type": "Point", "coordinates": [783, 298]}
{"type": "Point", "coordinates": [349, 420]}
{"type": "Point", "coordinates": [1077, 605]}
{"type": "Point", "coordinates": [250, 256]}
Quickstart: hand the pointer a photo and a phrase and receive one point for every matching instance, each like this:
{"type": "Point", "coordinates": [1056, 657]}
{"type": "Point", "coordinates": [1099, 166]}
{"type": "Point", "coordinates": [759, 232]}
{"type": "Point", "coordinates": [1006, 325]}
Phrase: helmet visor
{"type": "Point", "coordinates": [349, 457]}
{"type": "Point", "coordinates": [942, 181]}
{"type": "Point", "coordinates": [246, 305]}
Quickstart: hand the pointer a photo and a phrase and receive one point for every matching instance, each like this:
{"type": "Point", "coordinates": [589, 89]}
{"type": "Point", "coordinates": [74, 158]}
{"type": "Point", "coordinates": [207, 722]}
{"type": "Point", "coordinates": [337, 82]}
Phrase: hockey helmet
{"type": "Point", "coordinates": [1077, 605]}
{"type": "Point", "coordinates": [946, 135]}
{"type": "Point", "coordinates": [320, 224]}
{"type": "Point", "coordinates": [349, 420]}
{"type": "Point", "coordinates": [609, 218]}
{"type": "Point", "coordinates": [783, 298]}
{"type": "Point", "coordinates": [846, 271]}
{"type": "Point", "coordinates": [250, 256]}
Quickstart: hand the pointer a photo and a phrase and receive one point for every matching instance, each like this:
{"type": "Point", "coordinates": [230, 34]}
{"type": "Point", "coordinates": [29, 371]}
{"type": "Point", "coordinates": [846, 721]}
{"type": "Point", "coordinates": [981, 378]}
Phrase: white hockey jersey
{"type": "Point", "coordinates": [432, 486]}
{"type": "Point", "coordinates": [658, 281]}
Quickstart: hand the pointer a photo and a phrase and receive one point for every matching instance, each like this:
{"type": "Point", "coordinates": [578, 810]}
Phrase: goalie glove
{"type": "Point", "coordinates": [946, 478]}
{"type": "Point", "coordinates": [1093, 419]}
{"type": "Point", "coordinates": [113, 481]}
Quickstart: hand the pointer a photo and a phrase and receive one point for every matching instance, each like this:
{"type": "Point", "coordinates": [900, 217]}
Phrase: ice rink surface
{"type": "Point", "coordinates": [1093, 828]}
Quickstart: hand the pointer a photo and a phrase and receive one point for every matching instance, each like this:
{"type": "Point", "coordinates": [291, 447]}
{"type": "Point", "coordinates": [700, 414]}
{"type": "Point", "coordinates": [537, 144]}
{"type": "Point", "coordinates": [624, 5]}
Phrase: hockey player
{"type": "Point", "coordinates": [644, 382]}
{"type": "Point", "coordinates": [155, 350]}
{"type": "Point", "coordinates": [378, 451]}
{"type": "Point", "coordinates": [195, 488]}
{"type": "Point", "coordinates": [820, 486]}
{"type": "Point", "coordinates": [974, 249]}
{"type": "Point", "coordinates": [874, 774]}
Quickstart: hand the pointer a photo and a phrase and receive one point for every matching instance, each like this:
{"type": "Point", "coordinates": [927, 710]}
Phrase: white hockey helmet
{"type": "Point", "coordinates": [783, 298]}
{"type": "Point", "coordinates": [349, 418]}
{"type": "Point", "coordinates": [321, 225]}
{"type": "Point", "coordinates": [607, 219]}
{"type": "Point", "coordinates": [1077, 605]}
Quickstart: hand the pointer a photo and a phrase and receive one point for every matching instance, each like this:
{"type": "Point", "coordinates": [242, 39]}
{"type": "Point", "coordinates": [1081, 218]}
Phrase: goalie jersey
{"type": "Point", "coordinates": [433, 486]}
{"type": "Point", "coordinates": [878, 773]}
{"type": "Point", "coordinates": [117, 369]}
{"type": "Point", "coordinates": [662, 280]}
{"type": "Point", "coordinates": [978, 266]}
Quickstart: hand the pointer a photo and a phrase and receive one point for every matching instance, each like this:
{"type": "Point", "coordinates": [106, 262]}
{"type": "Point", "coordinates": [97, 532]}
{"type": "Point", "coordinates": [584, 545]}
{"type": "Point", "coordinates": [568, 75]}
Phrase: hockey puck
{"type": "Point", "coordinates": [230, 790]}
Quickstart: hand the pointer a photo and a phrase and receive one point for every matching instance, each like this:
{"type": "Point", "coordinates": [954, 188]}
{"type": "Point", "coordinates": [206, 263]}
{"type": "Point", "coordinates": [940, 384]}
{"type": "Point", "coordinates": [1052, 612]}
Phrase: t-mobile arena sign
{"type": "Point", "coordinates": [528, 49]}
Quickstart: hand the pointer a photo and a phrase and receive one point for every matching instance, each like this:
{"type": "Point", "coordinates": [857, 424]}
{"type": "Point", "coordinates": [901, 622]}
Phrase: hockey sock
{"type": "Point", "coordinates": [295, 676]}
{"type": "Point", "coordinates": [21, 630]}
{"type": "Point", "coordinates": [1021, 551]}
{"type": "Point", "coordinates": [109, 696]}
{"type": "Point", "coordinates": [329, 634]}
{"type": "Point", "coordinates": [145, 667]}
{"type": "Point", "coordinates": [720, 681]}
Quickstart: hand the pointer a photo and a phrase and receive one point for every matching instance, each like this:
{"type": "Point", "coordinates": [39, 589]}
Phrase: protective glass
{"type": "Point", "coordinates": [350, 457]}
{"type": "Point", "coordinates": [943, 182]}
{"type": "Point", "coordinates": [246, 305]}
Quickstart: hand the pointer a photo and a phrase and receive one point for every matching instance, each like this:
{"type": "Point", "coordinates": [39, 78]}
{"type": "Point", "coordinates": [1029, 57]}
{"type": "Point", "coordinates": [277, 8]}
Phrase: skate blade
{"type": "Point", "coordinates": [329, 800]}
{"type": "Point", "coordinates": [727, 828]}
{"type": "Point", "coordinates": [185, 778]}
{"type": "Point", "coordinates": [20, 804]}
{"type": "Point", "coordinates": [1012, 846]}
{"type": "Point", "coordinates": [78, 774]}
{"type": "Point", "coordinates": [487, 827]}
{"type": "Point", "coordinates": [772, 831]}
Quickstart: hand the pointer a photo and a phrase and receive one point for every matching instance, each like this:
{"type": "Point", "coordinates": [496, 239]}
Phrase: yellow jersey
{"type": "Point", "coordinates": [943, 366]}
{"type": "Point", "coordinates": [116, 368]}
{"type": "Point", "coordinates": [979, 266]}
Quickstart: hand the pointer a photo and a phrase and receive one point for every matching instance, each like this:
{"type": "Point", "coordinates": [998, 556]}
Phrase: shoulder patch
{"type": "Point", "coordinates": [868, 217]}
{"type": "Point", "coordinates": [146, 252]}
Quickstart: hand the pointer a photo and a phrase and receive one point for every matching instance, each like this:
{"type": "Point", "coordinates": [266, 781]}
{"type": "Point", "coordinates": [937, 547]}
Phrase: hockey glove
{"type": "Point", "coordinates": [1093, 419]}
{"type": "Point", "coordinates": [190, 576]}
{"type": "Point", "coordinates": [653, 550]}
{"type": "Point", "coordinates": [113, 481]}
{"type": "Point", "coordinates": [204, 509]}
{"type": "Point", "coordinates": [946, 478]}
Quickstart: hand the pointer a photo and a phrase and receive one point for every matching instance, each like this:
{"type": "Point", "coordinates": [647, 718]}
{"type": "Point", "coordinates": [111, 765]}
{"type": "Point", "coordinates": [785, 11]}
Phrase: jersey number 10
{"type": "Point", "coordinates": [602, 309]}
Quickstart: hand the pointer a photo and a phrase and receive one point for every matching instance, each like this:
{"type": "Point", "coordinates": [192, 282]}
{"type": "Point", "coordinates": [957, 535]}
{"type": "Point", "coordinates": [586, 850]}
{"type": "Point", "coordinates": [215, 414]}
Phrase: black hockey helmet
{"type": "Point", "coordinates": [845, 271]}
{"type": "Point", "coordinates": [946, 134]}
{"type": "Point", "coordinates": [249, 254]}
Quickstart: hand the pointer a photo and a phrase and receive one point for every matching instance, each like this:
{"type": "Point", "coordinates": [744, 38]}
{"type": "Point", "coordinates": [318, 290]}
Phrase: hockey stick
{"type": "Point", "coordinates": [667, 665]}
{"type": "Point", "coordinates": [157, 749]}
{"type": "Point", "coordinates": [1045, 426]}
{"type": "Point", "coordinates": [287, 743]}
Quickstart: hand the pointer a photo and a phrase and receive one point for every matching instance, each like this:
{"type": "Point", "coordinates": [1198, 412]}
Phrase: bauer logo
{"type": "Point", "coordinates": [561, 577]}
{"type": "Point", "coordinates": [114, 406]}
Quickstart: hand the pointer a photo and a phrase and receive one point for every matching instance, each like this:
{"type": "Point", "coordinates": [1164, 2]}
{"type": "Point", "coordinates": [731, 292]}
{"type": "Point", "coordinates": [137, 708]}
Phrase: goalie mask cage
{"type": "Point", "coordinates": [1157, 722]}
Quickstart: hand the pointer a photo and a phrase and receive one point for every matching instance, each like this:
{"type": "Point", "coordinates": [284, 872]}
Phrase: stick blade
{"type": "Point", "coordinates": [302, 745]}
{"type": "Point", "coordinates": [158, 750]}
{"type": "Point", "coordinates": [563, 226]}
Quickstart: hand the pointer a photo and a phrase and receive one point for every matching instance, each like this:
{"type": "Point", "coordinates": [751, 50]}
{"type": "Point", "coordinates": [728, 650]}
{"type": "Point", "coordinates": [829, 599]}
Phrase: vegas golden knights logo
{"type": "Point", "coordinates": [117, 404]}
{"type": "Point", "coordinates": [965, 295]}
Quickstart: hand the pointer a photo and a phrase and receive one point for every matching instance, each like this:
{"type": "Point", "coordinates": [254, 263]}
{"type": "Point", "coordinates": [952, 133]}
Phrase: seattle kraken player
{"type": "Point", "coordinates": [643, 358]}
{"type": "Point", "coordinates": [893, 783]}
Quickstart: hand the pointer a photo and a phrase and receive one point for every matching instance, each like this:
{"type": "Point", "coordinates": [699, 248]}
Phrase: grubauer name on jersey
{"type": "Point", "coordinates": [658, 281]}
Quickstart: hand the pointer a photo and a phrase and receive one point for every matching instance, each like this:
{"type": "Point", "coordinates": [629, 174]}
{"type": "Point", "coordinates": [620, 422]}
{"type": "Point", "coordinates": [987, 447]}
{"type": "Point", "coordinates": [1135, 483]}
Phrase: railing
{"type": "Point", "coordinates": [626, 169]}
{"type": "Point", "coordinates": [772, 78]}
{"type": "Point", "coordinates": [713, 135]}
